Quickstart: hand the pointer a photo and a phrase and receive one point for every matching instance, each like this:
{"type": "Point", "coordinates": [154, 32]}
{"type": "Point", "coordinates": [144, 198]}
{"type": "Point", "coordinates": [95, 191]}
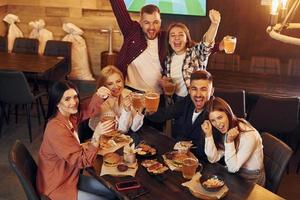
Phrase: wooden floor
{"type": "Point", "coordinates": [10, 188]}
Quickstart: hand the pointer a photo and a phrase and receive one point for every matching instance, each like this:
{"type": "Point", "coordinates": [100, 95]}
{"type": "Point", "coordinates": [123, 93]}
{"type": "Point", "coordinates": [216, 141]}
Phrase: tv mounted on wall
{"type": "Point", "coordinates": [179, 7]}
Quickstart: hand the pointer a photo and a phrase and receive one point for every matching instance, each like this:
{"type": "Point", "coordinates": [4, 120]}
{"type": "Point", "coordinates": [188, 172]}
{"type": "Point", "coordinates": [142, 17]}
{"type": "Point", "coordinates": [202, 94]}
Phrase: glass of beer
{"type": "Point", "coordinates": [229, 44]}
{"type": "Point", "coordinates": [137, 100]}
{"type": "Point", "coordinates": [151, 101]}
{"type": "Point", "coordinates": [189, 167]}
{"type": "Point", "coordinates": [169, 87]}
{"type": "Point", "coordinates": [109, 116]}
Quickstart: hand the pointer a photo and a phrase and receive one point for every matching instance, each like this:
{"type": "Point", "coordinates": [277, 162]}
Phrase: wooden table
{"type": "Point", "coordinates": [169, 187]}
{"type": "Point", "coordinates": [28, 62]}
{"type": "Point", "coordinates": [259, 84]}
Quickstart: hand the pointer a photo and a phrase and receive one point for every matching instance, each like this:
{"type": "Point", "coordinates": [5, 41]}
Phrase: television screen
{"type": "Point", "coordinates": [181, 7]}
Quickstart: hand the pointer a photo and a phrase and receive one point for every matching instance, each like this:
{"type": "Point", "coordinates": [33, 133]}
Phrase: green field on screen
{"type": "Point", "coordinates": [181, 7]}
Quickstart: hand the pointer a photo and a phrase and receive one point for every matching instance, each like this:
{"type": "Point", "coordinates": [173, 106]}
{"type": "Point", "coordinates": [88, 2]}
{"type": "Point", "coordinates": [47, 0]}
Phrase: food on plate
{"type": "Point", "coordinates": [211, 183]}
{"type": "Point", "coordinates": [183, 146]}
{"type": "Point", "coordinates": [107, 143]}
{"type": "Point", "coordinates": [157, 168]}
{"type": "Point", "coordinates": [145, 149]}
{"type": "Point", "coordinates": [122, 167]}
{"type": "Point", "coordinates": [148, 163]}
{"type": "Point", "coordinates": [111, 159]}
{"type": "Point", "coordinates": [112, 133]}
{"type": "Point", "coordinates": [121, 138]}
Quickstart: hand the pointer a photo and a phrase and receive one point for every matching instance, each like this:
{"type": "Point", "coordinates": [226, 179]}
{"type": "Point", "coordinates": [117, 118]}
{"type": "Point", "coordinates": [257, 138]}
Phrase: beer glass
{"type": "Point", "coordinates": [229, 44]}
{"type": "Point", "coordinates": [137, 100]}
{"type": "Point", "coordinates": [109, 116]}
{"type": "Point", "coordinates": [189, 167]}
{"type": "Point", "coordinates": [151, 101]}
{"type": "Point", "coordinates": [169, 87]}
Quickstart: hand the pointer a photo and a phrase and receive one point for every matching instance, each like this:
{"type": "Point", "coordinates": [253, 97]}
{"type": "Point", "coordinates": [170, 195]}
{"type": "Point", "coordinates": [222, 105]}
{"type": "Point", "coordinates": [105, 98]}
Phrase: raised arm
{"type": "Point", "coordinates": [215, 18]}
{"type": "Point", "coordinates": [122, 15]}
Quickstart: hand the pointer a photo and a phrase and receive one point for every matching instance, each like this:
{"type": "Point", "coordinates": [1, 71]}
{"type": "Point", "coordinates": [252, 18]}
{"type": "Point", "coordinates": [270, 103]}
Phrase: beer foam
{"type": "Point", "coordinates": [152, 96]}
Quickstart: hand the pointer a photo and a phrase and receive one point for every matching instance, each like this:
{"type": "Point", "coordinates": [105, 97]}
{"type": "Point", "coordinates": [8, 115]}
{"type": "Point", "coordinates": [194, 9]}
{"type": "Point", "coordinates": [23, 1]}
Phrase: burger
{"type": "Point", "coordinates": [157, 168]}
{"type": "Point", "coordinates": [111, 159]}
{"type": "Point", "coordinates": [177, 158]}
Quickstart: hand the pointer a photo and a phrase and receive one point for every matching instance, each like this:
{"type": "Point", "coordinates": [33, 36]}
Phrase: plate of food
{"type": "Point", "coordinates": [211, 183]}
{"type": "Point", "coordinates": [145, 150]}
{"type": "Point", "coordinates": [154, 167]}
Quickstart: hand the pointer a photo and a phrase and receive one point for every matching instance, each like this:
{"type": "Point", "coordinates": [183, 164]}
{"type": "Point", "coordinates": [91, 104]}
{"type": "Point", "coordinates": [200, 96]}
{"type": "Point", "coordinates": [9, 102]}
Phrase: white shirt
{"type": "Point", "coordinates": [176, 74]}
{"type": "Point", "coordinates": [249, 154]}
{"type": "Point", "coordinates": [195, 115]}
{"type": "Point", "coordinates": [144, 72]}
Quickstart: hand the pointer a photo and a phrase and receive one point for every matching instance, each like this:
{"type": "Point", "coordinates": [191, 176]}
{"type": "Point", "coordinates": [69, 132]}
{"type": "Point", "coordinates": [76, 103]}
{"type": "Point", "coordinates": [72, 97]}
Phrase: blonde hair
{"type": "Point", "coordinates": [106, 72]}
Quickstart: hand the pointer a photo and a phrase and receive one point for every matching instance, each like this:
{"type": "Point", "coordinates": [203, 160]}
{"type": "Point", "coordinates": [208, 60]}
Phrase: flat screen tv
{"type": "Point", "coordinates": [179, 7]}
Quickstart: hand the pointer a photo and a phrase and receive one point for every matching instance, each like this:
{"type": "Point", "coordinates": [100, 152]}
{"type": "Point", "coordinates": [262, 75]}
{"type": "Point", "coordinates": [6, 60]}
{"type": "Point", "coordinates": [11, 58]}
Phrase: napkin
{"type": "Point", "coordinates": [115, 172]}
{"type": "Point", "coordinates": [197, 190]}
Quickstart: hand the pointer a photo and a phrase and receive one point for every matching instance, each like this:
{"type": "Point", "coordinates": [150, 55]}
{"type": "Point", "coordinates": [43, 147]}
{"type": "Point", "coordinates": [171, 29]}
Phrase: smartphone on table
{"type": "Point", "coordinates": [128, 185]}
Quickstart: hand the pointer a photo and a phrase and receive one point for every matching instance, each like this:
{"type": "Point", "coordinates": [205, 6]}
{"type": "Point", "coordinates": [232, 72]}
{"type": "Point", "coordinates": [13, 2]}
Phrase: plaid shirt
{"type": "Point", "coordinates": [134, 38]}
{"type": "Point", "coordinates": [196, 58]}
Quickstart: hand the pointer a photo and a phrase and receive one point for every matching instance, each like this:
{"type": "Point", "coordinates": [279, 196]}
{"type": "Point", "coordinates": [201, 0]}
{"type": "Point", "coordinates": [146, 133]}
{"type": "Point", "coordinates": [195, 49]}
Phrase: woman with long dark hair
{"type": "Point", "coordinates": [61, 156]}
{"type": "Point", "coordinates": [242, 145]}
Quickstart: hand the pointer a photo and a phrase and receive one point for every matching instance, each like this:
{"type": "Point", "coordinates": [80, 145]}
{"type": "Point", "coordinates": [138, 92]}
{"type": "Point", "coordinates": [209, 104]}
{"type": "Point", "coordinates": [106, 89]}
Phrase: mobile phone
{"type": "Point", "coordinates": [128, 185]}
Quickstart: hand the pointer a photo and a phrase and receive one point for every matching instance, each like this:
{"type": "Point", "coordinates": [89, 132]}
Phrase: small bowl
{"type": "Point", "coordinates": [212, 183]}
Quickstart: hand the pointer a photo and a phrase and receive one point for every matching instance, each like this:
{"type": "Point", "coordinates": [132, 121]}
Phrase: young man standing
{"type": "Point", "coordinates": [143, 51]}
{"type": "Point", "coordinates": [190, 111]}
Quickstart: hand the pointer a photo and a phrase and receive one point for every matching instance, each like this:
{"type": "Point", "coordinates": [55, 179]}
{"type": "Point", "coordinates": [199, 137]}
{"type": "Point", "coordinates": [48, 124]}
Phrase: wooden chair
{"type": "Point", "coordinates": [223, 61]}
{"type": "Point", "coordinates": [15, 90]}
{"type": "Point", "coordinates": [235, 98]}
{"type": "Point", "coordinates": [265, 65]}
{"type": "Point", "coordinates": [26, 45]}
{"type": "Point", "coordinates": [294, 67]}
{"type": "Point", "coordinates": [276, 158]}
{"type": "Point", "coordinates": [25, 168]}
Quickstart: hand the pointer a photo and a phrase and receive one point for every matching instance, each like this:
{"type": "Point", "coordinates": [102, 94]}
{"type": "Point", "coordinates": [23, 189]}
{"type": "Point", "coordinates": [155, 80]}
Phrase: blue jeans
{"type": "Point", "coordinates": [91, 189]}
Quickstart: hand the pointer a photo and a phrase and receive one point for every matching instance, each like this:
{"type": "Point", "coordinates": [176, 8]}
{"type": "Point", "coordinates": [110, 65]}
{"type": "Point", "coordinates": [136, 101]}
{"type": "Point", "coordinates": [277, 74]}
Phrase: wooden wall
{"type": "Point", "coordinates": [245, 19]}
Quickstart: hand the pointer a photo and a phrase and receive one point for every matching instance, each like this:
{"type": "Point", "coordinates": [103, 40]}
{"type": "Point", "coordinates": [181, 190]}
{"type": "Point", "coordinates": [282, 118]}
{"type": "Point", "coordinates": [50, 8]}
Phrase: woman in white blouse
{"type": "Point", "coordinates": [241, 144]}
{"type": "Point", "coordinates": [112, 99]}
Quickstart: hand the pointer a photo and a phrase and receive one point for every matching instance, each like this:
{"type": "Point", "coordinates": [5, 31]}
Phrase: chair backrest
{"type": "Point", "coordinates": [235, 98]}
{"type": "Point", "coordinates": [276, 157]}
{"type": "Point", "coordinates": [14, 88]}
{"type": "Point", "coordinates": [63, 49]}
{"type": "Point", "coordinates": [230, 62]}
{"type": "Point", "coordinates": [265, 65]}
{"type": "Point", "coordinates": [294, 67]}
{"type": "Point", "coordinates": [26, 45]}
{"type": "Point", "coordinates": [25, 168]}
{"type": "Point", "coordinates": [275, 114]}
{"type": "Point", "coordinates": [3, 44]}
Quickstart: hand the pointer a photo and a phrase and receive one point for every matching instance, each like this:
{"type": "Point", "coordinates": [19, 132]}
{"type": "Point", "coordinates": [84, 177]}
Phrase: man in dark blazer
{"type": "Point", "coordinates": [190, 111]}
{"type": "Point", "coordinates": [142, 54]}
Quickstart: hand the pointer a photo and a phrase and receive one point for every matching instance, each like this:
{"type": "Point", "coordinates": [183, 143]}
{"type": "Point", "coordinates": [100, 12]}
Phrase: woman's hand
{"type": "Point", "coordinates": [101, 129]}
{"type": "Point", "coordinates": [103, 92]}
{"type": "Point", "coordinates": [207, 128]}
{"type": "Point", "coordinates": [232, 134]}
{"type": "Point", "coordinates": [214, 16]}
{"type": "Point", "coordinates": [161, 82]}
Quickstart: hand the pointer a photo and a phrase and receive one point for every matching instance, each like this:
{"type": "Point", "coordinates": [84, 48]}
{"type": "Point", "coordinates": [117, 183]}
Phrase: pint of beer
{"type": "Point", "coordinates": [151, 101]}
{"type": "Point", "coordinates": [169, 87]}
{"type": "Point", "coordinates": [137, 100]}
{"type": "Point", "coordinates": [229, 44]}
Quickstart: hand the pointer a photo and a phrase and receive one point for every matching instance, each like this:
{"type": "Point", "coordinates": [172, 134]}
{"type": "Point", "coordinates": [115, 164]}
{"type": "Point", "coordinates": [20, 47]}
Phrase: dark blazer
{"type": "Point", "coordinates": [134, 38]}
{"type": "Point", "coordinates": [183, 110]}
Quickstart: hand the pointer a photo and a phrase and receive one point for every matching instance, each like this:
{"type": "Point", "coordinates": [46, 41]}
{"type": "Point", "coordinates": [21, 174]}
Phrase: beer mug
{"type": "Point", "coordinates": [151, 101]}
{"type": "Point", "coordinates": [169, 87]}
{"type": "Point", "coordinates": [137, 100]}
{"type": "Point", "coordinates": [229, 44]}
